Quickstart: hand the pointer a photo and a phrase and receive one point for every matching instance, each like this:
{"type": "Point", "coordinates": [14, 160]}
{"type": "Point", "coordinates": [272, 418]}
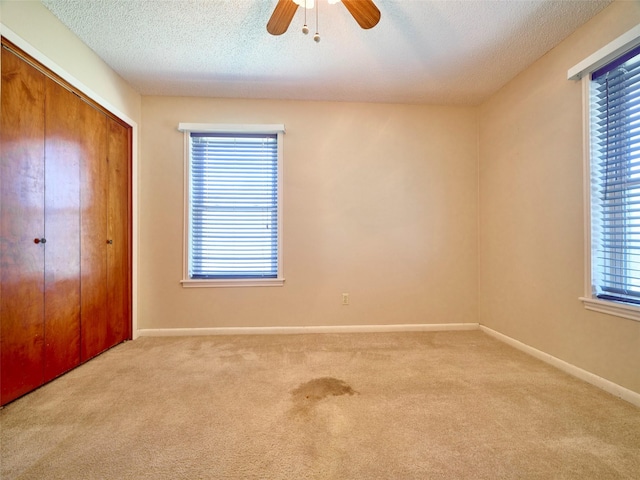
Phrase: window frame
{"type": "Point", "coordinates": [240, 129]}
{"type": "Point", "coordinates": [582, 72]}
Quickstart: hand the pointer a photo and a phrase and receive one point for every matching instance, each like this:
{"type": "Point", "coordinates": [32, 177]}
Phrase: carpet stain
{"type": "Point", "coordinates": [319, 388]}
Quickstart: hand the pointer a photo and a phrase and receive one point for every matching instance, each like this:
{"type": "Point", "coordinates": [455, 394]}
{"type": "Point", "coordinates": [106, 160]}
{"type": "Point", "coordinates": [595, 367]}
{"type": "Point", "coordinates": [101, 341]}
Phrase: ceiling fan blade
{"type": "Point", "coordinates": [281, 17]}
{"type": "Point", "coordinates": [364, 11]}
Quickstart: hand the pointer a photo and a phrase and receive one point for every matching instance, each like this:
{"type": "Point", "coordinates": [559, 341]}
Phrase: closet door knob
{"type": "Point", "coordinates": [110, 242]}
{"type": "Point", "coordinates": [39, 240]}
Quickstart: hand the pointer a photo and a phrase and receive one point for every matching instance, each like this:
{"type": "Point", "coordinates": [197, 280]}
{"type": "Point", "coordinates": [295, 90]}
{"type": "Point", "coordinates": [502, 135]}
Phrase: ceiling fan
{"type": "Point", "coordinates": [365, 13]}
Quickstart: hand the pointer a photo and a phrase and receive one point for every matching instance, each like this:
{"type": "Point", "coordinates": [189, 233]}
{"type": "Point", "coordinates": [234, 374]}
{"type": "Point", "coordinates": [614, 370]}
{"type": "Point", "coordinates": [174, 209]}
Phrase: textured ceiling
{"type": "Point", "coordinates": [422, 51]}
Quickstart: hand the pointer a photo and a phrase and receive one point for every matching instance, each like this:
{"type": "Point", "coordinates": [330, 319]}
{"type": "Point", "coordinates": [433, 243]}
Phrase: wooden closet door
{"type": "Point", "coordinates": [22, 221]}
{"type": "Point", "coordinates": [118, 251]}
{"type": "Point", "coordinates": [94, 180]}
{"type": "Point", "coordinates": [105, 237]}
{"type": "Point", "coordinates": [65, 146]}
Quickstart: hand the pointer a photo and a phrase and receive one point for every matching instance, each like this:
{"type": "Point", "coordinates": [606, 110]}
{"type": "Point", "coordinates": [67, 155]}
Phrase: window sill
{"type": "Point", "coordinates": [248, 282]}
{"type": "Point", "coordinates": [618, 309]}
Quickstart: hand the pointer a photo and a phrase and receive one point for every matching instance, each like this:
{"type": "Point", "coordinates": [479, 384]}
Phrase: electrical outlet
{"type": "Point", "coordinates": [345, 299]}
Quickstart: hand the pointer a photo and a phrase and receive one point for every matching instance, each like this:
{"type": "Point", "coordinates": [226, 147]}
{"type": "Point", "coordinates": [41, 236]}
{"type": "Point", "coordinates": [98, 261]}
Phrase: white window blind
{"type": "Point", "coordinates": [615, 203]}
{"type": "Point", "coordinates": [233, 207]}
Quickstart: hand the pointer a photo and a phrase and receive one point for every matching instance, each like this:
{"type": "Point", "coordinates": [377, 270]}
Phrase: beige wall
{"type": "Point", "coordinates": [531, 212]}
{"type": "Point", "coordinates": [35, 24]}
{"type": "Point", "coordinates": [379, 201]}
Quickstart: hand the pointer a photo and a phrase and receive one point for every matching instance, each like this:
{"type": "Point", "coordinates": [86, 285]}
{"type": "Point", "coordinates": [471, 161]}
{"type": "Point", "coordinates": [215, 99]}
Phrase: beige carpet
{"type": "Point", "coordinates": [454, 405]}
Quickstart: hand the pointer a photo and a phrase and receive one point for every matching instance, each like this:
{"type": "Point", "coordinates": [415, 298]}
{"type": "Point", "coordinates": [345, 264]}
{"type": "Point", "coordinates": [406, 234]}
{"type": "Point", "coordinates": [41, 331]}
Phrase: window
{"type": "Point", "coordinates": [615, 173]}
{"type": "Point", "coordinates": [233, 205]}
{"type": "Point", "coordinates": [611, 88]}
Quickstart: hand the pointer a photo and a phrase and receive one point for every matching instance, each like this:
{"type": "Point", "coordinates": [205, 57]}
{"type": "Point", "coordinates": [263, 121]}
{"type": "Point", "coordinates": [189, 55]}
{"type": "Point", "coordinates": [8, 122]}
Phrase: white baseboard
{"type": "Point", "coordinates": [606, 385]}
{"type": "Point", "coordinates": [421, 327]}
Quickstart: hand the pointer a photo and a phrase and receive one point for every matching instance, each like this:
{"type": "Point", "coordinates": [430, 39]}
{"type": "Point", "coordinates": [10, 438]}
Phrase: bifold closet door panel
{"type": "Point", "coordinates": [94, 180]}
{"type": "Point", "coordinates": [65, 146]}
{"type": "Point", "coordinates": [22, 221]}
{"type": "Point", "coordinates": [118, 251]}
